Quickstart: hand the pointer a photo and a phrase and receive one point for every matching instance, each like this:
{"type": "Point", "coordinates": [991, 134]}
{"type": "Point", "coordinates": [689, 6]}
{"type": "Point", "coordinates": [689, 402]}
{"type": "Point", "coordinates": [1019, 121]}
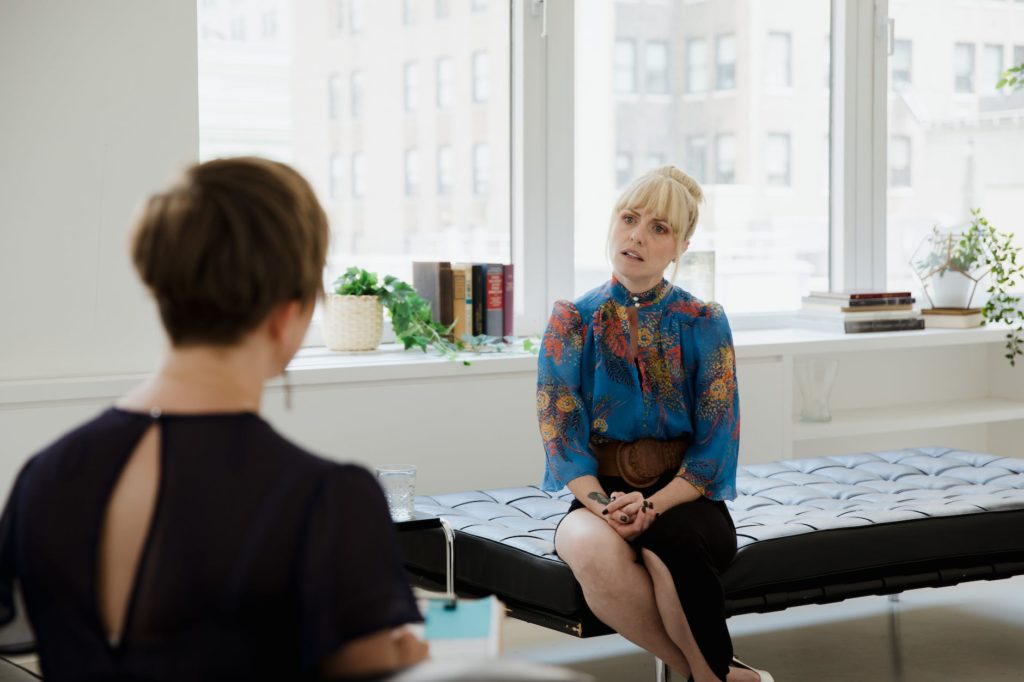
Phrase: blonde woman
{"type": "Point", "coordinates": [639, 412]}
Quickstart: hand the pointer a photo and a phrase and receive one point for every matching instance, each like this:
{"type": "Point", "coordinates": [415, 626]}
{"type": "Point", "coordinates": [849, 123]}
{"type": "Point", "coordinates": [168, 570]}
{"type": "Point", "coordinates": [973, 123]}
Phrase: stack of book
{"type": "Point", "coordinates": [863, 311]}
{"type": "Point", "coordinates": [474, 297]}
{"type": "Point", "coordinates": [952, 318]}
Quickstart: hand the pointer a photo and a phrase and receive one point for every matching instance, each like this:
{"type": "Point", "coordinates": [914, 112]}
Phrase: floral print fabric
{"type": "Point", "coordinates": [619, 366]}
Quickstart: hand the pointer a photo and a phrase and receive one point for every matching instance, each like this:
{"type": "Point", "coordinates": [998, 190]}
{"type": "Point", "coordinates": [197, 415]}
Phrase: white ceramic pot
{"type": "Point", "coordinates": [353, 322]}
{"type": "Point", "coordinates": [950, 289]}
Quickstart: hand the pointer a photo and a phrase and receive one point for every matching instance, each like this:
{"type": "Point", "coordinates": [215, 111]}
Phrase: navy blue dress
{"type": "Point", "coordinates": [261, 559]}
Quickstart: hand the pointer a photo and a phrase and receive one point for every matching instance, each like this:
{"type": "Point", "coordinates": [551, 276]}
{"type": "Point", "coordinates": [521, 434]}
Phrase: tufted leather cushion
{"type": "Point", "coordinates": [814, 529]}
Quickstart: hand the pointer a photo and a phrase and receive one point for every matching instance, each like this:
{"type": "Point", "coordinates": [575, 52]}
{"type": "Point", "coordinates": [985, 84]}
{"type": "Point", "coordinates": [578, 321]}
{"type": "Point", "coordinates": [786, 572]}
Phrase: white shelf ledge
{"type": "Point", "coordinates": [798, 341]}
{"type": "Point", "coordinates": [865, 421]}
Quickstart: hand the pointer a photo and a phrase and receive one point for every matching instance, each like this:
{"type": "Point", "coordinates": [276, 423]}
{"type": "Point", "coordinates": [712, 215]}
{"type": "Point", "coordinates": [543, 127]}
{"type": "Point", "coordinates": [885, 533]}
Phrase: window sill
{"type": "Point", "coordinates": [756, 336]}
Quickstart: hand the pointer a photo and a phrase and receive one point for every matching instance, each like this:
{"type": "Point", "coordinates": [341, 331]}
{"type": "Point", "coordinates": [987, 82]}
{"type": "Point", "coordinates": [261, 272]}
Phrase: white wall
{"type": "Point", "coordinates": [99, 108]}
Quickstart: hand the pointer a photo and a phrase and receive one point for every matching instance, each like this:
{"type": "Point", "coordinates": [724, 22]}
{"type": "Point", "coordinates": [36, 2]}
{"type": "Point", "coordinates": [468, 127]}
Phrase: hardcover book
{"type": "Point", "coordinates": [494, 321]}
{"type": "Point", "coordinates": [883, 325]}
{"type": "Point", "coordinates": [509, 300]}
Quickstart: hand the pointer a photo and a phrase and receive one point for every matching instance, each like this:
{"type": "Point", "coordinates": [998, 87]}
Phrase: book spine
{"type": "Point", "coordinates": [444, 274]}
{"type": "Point", "coordinates": [495, 317]}
{"type": "Point", "coordinates": [479, 295]}
{"type": "Point", "coordinates": [881, 294]}
{"type": "Point", "coordinates": [468, 270]}
{"type": "Point", "coordinates": [868, 302]}
{"type": "Point", "coordinates": [508, 300]}
{"type": "Point", "coordinates": [883, 325]}
{"type": "Point", "coordinates": [459, 302]}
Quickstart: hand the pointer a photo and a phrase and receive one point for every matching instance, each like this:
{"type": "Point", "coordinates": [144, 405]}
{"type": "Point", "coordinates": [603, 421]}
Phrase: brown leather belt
{"type": "Point", "coordinates": [639, 462]}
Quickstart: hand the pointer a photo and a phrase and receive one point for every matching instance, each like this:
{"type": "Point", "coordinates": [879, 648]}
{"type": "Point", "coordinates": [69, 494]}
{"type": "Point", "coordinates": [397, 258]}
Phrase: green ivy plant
{"type": "Point", "coordinates": [998, 253]}
{"type": "Point", "coordinates": [1012, 78]}
{"type": "Point", "coordinates": [411, 316]}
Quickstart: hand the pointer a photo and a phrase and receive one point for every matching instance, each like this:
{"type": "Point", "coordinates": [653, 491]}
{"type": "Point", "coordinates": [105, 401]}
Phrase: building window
{"type": "Point", "coordinates": [444, 82]}
{"type": "Point", "coordinates": [696, 65]}
{"type": "Point", "coordinates": [237, 28]}
{"type": "Point", "coordinates": [778, 60]}
{"type": "Point", "coordinates": [623, 169]}
{"type": "Point", "coordinates": [411, 86]}
{"type": "Point", "coordinates": [335, 172]}
{"type": "Point", "coordinates": [481, 77]}
{"type": "Point", "coordinates": [358, 175]}
{"type": "Point", "coordinates": [412, 172]}
{"type": "Point", "coordinates": [725, 62]}
{"type": "Point", "coordinates": [339, 15]}
{"type": "Point", "coordinates": [357, 94]}
{"type": "Point", "coordinates": [656, 56]}
{"type": "Point", "coordinates": [902, 63]}
{"type": "Point", "coordinates": [481, 169]}
{"type": "Point", "coordinates": [725, 159]}
{"type": "Point", "coordinates": [409, 12]}
{"type": "Point", "coordinates": [655, 160]}
{"type": "Point", "coordinates": [333, 96]}
{"type": "Point", "coordinates": [991, 67]}
{"type": "Point", "coordinates": [479, 5]}
{"type": "Point", "coordinates": [899, 161]}
{"type": "Point", "coordinates": [776, 160]}
{"type": "Point", "coordinates": [963, 67]}
{"type": "Point", "coordinates": [442, 9]}
{"type": "Point", "coordinates": [696, 158]}
{"type": "Point", "coordinates": [268, 24]}
{"type": "Point", "coordinates": [356, 16]}
{"type": "Point", "coordinates": [444, 170]}
{"type": "Point", "coordinates": [1018, 54]}
{"type": "Point", "coordinates": [624, 66]}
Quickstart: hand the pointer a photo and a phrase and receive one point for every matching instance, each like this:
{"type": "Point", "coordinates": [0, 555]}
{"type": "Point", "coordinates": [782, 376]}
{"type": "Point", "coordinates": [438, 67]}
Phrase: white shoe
{"type": "Point", "coordinates": [763, 674]}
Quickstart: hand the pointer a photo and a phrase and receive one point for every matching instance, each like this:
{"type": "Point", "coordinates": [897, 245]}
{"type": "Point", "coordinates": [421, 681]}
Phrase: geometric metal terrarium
{"type": "Point", "coordinates": [950, 265]}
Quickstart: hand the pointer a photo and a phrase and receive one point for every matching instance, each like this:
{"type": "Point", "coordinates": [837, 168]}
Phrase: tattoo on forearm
{"type": "Point", "coordinates": [599, 497]}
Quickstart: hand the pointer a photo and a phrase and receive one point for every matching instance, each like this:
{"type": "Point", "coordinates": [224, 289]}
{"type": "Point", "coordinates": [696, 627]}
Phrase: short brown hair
{"type": "Point", "coordinates": [226, 243]}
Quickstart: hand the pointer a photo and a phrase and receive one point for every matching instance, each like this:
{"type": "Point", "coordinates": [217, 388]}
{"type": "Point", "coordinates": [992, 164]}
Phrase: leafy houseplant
{"type": "Point", "coordinates": [980, 250]}
{"type": "Point", "coordinates": [410, 313]}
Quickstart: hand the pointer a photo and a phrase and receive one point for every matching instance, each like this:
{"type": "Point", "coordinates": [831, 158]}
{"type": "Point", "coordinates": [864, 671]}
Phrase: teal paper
{"type": "Point", "coordinates": [469, 620]}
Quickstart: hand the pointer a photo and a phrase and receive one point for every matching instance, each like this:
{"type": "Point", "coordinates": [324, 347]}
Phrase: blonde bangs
{"type": "Point", "coordinates": [660, 196]}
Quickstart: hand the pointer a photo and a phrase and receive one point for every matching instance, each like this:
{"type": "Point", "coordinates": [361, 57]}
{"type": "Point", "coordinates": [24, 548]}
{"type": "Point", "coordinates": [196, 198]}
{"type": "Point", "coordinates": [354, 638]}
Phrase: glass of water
{"type": "Point", "coordinates": [399, 484]}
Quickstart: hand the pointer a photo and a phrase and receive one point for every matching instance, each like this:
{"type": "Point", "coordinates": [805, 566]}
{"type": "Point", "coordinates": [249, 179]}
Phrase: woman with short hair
{"type": "Point", "coordinates": [639, 414]}
{"type": "Point", "coordinates": [177, 535]}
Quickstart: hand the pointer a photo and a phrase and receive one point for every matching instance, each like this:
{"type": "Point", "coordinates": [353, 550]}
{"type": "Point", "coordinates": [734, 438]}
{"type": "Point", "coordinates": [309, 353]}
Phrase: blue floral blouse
{"type": "Point", "coordinates": [619, 366]}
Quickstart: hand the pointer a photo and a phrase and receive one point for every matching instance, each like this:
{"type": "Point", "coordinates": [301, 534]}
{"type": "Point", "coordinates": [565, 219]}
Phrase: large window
{"type": "Point", "coordinates": [955, 143]}
{"type": "Point", "coordinates": [294, 93]}
{"type": "Point", "coordinates": [738, 94]}
{"type": "Point", "coordinates": [754, 144]}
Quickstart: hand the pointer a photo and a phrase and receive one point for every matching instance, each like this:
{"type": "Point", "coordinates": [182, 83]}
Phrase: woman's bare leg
{"type": "Point", "coordinates": [618, 590]}
{"type": "Point", "coordinates": [672, 617]}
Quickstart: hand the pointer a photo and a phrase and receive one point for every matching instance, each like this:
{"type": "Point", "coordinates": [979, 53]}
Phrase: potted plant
{"type": "Point", "coordinates": [950, 266]}
{"type": "Point", "coordinates": [353, 317]}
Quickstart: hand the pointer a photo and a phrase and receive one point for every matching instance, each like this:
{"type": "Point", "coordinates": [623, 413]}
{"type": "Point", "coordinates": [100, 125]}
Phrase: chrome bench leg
{"type": "Point", "coordinates": [661, 671]}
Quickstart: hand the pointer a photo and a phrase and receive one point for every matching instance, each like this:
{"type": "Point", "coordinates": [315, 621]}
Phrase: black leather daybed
{"type": "Point", "coordinates": [810, 531]}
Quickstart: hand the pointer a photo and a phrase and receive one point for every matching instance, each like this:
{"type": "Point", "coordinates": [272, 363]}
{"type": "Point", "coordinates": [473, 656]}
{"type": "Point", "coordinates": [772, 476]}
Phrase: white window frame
{"type": "Point", "coordinates": [543, 152]}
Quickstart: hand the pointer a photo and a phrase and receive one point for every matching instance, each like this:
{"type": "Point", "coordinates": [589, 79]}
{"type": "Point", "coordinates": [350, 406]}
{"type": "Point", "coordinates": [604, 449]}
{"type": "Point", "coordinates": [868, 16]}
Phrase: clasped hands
{"type": "Point", "coordinates": [629, 514]}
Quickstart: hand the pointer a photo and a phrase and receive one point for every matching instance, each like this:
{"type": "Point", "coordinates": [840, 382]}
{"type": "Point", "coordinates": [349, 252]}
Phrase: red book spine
{"type": "Point", "coordinates": [508, 300]}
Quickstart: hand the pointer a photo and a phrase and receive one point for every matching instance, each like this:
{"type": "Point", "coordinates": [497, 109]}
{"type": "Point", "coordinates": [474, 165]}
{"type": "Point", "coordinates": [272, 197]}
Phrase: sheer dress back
{"type": "Point", "coordinates": [261, 559]}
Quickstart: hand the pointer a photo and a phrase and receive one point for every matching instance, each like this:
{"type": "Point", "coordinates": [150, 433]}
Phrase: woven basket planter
{"type": "Point", "coordinates": [353, 322]}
